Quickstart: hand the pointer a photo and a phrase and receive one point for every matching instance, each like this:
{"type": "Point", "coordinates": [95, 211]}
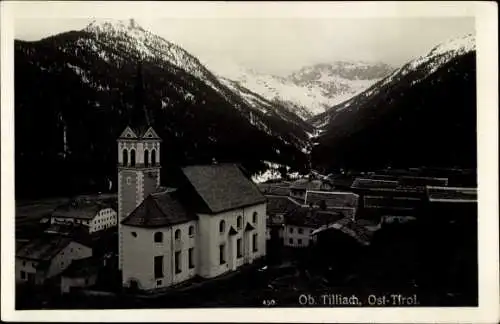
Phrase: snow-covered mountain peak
{"type": "Point", "coordinates": [416, 71]}
{"type": "Point", "coordinates": [459, 45]}
{"type": "Point", "coordinates": [130, 36]}
{"type": "Point", "coordinates": [444, 52]}
{"type": "Point", "coordinates": [108, 25]}
{"type": "Point", "coordinates": [311, 89]}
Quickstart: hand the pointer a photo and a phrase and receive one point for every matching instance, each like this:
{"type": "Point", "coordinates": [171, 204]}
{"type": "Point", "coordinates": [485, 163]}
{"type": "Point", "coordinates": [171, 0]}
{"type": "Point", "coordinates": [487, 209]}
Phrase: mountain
{"type": "Point", "coordinates": [312, 89]}
{"type": "Point", "coordinates": [76, 91]}
{"type": "Point", "coordinates": [422, 114]}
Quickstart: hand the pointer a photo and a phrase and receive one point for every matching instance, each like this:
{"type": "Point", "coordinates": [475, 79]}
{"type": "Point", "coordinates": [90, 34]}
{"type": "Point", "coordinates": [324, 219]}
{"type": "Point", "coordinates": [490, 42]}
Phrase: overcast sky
{"type": "Point", "coordinates": [284, 44]}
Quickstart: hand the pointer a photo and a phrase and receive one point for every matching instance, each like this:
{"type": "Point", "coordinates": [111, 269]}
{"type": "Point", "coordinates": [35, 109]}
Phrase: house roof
{"type": "Point", "coordinates": [306, 184]}
{"type": "Point", "coordinates": [280, 205]}
{"type": "Point", "coordinates": [222, 187]}
{"type": "Point", "coordinates": [158, 210]}
{"type": "Point", "coordinates": [65, 229]}
{"type": "Point", "coordinates": [387, 186]}
{"type": "Point", "coordinates": [451, 194]}
{"type": "Point", "coordinates": [341, 180]}
{"type": "Point", "coordinates": [422, 181]}
{"type": "Point", "coordinates": [349, 227]}
{"type": "Point", "coordinates": [367, 183]}
{"type": "Point", "coordinates": [82, 268]}
{"type": "Point", "coordinates": [407, 180]}
{"type": "Point", "coordinates": [390, 202]}
{"type": "Point", "coordinates": [344, 211]}
{"type": "Point", "coordinates": [387, 177]}
{"type": "Point", "coordinates": [332, 198]}
{"type": "Point", "coordinates": [311, 217]}
{"type": "Point", "coordinates": [273, 189]}
{"type": "Point", "coordinates": [43, 248]}
{"type": "Point", "coordinates": [85, 207]}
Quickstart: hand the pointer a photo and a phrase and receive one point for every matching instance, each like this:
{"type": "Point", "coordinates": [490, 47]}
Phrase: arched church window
{"type": "Point", "coordinates": [153, 157]}
{"type": "Point", "coordinates": [254, 218]}
{"type": "Point", "coordinates": [125, 157]}
{"type": "Point", "coordinates": [146, 158]}
{"type": "Point", "coordinates": [191, 230]}
{"type": "Point", "coordinates": [239, 222]}
{"type": "Point", "coordinates": [222, 226]}
{"type": "Point", "coordinates": [132, 157]}
{"type": "Point", "coordinates": [178, 234]}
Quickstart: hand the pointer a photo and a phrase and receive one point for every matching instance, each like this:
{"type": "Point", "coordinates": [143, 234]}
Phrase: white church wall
{"type": "Point", "coordinates": [211, 239]}
{"type": "Point", "coordinates": [139, 250]}
{"type": "Point", "coordinates": [182, 245]}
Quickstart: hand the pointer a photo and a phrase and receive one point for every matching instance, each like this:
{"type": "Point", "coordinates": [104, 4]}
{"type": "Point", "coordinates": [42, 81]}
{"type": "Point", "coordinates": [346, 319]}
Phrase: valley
{"type": "Point", "coordinates": [77, 89]}
{"type": "Point", "coordinates": [147, 177]}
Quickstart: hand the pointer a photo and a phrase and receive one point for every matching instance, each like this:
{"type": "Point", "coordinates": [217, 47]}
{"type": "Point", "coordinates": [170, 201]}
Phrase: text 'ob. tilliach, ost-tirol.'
{"type": "Point", "coordinates": [388, 300]}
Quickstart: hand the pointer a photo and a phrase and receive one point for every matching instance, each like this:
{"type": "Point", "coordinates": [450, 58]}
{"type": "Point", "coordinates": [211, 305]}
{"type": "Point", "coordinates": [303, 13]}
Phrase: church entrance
{"type": "Point", "coordinates": [134, 285]}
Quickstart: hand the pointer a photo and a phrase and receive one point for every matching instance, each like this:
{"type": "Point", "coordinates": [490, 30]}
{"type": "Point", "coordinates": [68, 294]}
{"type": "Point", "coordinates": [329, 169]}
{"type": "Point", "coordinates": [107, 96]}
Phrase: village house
{"type": "Point", "coordinates": [456, 205]}
{"type": "Point", "coordinates": [67, 229]}
{"type": "Point", "coordinates": [450, 222]}
{"type": "Point", "coordinates": [301, 222]}
{"type": "Point", "coordinates": [277, 208]}
{"type": "Point", "coordinates": [94, 214]}
{"type": "Point", "coordinates": [340, 246]}
{"type": "Point", "coordinates": [393, 219]}
{"type": "Point", "coordinates": [276, 189]}
{"type": "Point", "coordinates": [341, 182]}
{"type": "Point", "coordinates": [363, 186]}
{"type": "Point", "coordinates": [347, 227]}
{"type": "Point", "coordinates": [422, 181]}
{"type": "Point", "coordinates": [293, 221]}
{"type": "Point", "coordinates": [392, 195]}
{"type": "Point", "coordinates": [340, 201]}
{"type": "Point", "coordinates": [392, 205]}
{"type": "Point", "coordinates": [211, 223]}
{"type": "Point", "coordinates": [80, 274]}
{"type": "Point", "coordinates": [298, 188]}
{"type": "Point", "coordinates": [47, 256]}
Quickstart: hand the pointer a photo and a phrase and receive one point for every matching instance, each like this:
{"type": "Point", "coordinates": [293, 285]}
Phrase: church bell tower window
{"type": "Point", "coordinates": [146, 158]}
{"type": "Point", "coordinates": [132, 158]}
{"type": "Point", "coordinates": [153, 157]}
{"type": "Point", "coordinates": [125, 157]}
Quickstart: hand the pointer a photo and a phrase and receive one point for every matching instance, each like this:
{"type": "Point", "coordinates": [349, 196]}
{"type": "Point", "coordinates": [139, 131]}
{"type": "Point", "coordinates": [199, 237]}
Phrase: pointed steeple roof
{"type": "Point", "coordinates": [139, 119]}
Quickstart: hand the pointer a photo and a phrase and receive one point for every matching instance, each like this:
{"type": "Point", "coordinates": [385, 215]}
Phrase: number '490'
{"type": "Point", "coordinates": [269, 302]}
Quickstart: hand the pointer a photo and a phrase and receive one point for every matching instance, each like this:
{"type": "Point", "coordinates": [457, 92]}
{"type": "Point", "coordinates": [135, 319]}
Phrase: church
{"type": "Point", "coordinates": [211, 222]}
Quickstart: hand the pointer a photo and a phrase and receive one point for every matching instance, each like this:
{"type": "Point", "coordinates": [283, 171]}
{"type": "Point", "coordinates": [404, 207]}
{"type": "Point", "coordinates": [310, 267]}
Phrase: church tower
{"type": "Point", "coordinates": [138, 163]}
{"type": "Point", "coordinates": [138, 170]}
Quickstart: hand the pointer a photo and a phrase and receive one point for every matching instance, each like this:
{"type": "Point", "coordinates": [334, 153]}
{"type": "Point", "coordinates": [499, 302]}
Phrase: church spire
{"type": "Point", "coordinates": [139, 118]}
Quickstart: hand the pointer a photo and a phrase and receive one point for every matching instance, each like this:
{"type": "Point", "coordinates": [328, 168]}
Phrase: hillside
{"type": "Point", "coordinates": [422, 114]}
{"type": "Point", "coordinates": [75, 92]}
